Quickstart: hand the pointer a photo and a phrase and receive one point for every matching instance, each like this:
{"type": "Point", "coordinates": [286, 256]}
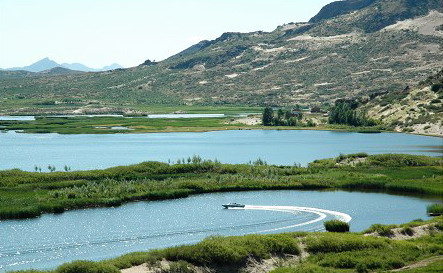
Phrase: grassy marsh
{"type": "Point", "coordinates": [29, 194]}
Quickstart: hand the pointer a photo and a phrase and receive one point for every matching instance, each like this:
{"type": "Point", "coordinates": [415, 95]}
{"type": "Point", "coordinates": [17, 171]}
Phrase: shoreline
{"type": "Point", "coordinates": [84, 124]}
{"type": "Point", "coordinates": [361, 179]}
{"type": "Point", "coordinates": [204, 130]}
{"type": "Point", "coordinates": [53, 192]}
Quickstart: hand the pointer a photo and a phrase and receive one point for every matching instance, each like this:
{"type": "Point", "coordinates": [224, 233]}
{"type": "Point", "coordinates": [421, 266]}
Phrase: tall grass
{"type": "Point", "coordinates": [336, 226]}
{"type": "Point", "coordinates": [29, 194]}
{"type": "Point", "coordinates": [234, 250]}
{"type": "Point", "coordinates": [436, 209]}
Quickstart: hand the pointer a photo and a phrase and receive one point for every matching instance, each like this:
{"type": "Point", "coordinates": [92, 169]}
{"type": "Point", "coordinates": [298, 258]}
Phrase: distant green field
{"type": "Point", "coordinates": [137, 124]}
{"type": "Point", "coordinates": [103, 125]}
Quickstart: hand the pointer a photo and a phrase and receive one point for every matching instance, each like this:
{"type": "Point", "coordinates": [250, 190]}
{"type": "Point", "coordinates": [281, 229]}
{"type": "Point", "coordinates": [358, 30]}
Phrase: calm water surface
{"type": "Point", "coordinates": [97, 151]}
{"type": "Point", "coordinates": [17, 118]}
{"type": "Point", "coordinates": [96, 234]}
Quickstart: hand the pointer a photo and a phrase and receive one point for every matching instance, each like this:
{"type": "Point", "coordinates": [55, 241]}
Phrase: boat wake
{"type": "Point", "coordinates": [322, 214]}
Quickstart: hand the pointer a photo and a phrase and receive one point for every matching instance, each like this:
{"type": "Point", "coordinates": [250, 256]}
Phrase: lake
{"type": "Point", "coordinates": [282, 147]}
{"type": "Point", "coordinates": [102, 233]}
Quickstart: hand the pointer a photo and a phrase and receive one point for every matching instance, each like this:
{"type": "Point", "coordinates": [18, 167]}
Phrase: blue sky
{"type": "Point", "coordinates": [101, 32]}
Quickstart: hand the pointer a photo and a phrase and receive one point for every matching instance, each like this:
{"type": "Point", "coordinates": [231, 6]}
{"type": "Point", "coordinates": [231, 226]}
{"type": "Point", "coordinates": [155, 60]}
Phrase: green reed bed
{"type": "Point", "coordinates": [435, 209]}
{"type": "Point", "coordinates": [28, 194]}
{"type": "Point", "coordinates": [103, 125]}
{"type": "Point", "coordinates": [336, 226]}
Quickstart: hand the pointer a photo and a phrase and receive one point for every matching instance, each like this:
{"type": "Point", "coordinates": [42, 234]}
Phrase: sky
{"type": "Point", "coordinates": [100, 32]}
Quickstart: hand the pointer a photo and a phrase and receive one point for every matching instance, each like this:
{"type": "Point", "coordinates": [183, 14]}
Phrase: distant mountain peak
{"type": "Point", "coordinates": [46, 64]}
{"type": "Point", "coordinates": [338, 8]}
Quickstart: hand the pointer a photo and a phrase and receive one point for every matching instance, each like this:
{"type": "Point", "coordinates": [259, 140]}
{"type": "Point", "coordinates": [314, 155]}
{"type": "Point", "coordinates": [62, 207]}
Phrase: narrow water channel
{"type": "Point", "coordinates": [95, 234]}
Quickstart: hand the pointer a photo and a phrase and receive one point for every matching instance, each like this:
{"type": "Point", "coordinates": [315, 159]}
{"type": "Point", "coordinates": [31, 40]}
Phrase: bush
{"type": "Point", "coordinates": [336, 226]}
{"type": "Point", "coordinates": [382, 230]}
{"type": "Point", "coordinates": [86, 267]}
{"type": "Point", "coordinates": [333, 243]}
{"type": "Point", "coordinates": [233, 250]}
{"type": "Point", "coordinates": [361, 268]}
{"type": "Point", "coordinates": [407, 231]}
{"type": "Point", "coordinates": [435, 209]}
{"type": "Point", "coordinates": [306, 268]}
{"type": "Point", "coordinates": [179, 267]}
{"type": "Point", "coordinates": [436, 87]}
{"type": "Point", "coordinates": [402, 160]}
{"type": "Point", "coordinates": [342, 157]}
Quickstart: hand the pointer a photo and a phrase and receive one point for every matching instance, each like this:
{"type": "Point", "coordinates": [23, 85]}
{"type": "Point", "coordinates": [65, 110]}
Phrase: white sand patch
{"type": "Point", "coordinates": [231, 76]}
{"type": "Point", "coordinates": [296, 60]}
{"type": "Point", "coordinates": [324, 38]}
{"type": "Point", "coordinates": [379, 59]}
{"type": "Point", "coordinates": [137, 269]}
{"type": "Point", "coordinates": [276, 49]}
{"type": "Point", "coordinates": [372, 70]}
{"type": "Point", "coordinates": [424, 25]}
{"type": "Point", "coordinates": [323, 84]}
{"type": "Point", "coordinates": [435, 129]}
{"type": "Point", "coordinates": [246, 120]}
{"type": "Point", "coordinates": [361, 72]}
{"type": "Point", "coordinates": [397, 233]}
{"type": "Point", "coordinates": [382, 70]}
{"type": "Point", "coordinates": [193, 99]}
{"type": "Point", "coordinates": [257, 48]}
{"type": "Point", "coordinates": [261, 67]}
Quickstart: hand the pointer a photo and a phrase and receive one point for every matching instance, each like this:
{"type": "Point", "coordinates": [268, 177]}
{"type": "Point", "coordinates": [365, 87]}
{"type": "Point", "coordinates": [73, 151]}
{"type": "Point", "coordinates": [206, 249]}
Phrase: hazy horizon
{"type": "Point", "coordinates": [99, 33]}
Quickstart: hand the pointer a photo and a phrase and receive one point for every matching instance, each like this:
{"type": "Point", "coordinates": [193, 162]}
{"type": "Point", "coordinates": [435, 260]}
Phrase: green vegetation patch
{"type": "Point", "coordinates": [234, 250]}
{"type": "Point", "coordinates": [435, 209]}
{"type": "Point", "coordinates": [29, 194]}
{"type": "Point", "coordinates": [329, 252]}
{"type": "Point", "coordinates": [336, 226]}
{"type": "Point", "coordinates": [110, 125]}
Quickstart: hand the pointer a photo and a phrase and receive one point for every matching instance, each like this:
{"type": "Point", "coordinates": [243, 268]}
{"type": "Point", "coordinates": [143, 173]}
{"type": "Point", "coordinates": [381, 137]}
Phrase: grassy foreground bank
{"type": "Point", "coordinates": [291, 253]}
{"type": "Point", "coordinates": [29, 194]}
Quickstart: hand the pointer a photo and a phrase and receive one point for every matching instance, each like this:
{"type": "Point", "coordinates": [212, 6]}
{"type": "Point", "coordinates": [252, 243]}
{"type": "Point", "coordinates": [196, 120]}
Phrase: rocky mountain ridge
{"type": "Point", "coordinates": [380, 47]}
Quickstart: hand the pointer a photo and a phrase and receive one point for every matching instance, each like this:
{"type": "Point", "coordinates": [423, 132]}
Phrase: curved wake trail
{"type": "Point", "coordinates": [322, 214]}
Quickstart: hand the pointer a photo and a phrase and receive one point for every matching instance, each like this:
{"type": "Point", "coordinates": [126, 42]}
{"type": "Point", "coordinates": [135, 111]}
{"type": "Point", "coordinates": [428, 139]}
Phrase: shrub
{"type": "Point", "coordinates": [336, 226]}
{"type": "Point", "coordinates": [382, 230]}
{"type": "Point", "coordinates": [233, 250]}
{"type": "Point", "coordinates": [435, 209]}
{"type": "Point", "coordinates": [402, 160]}
{"type": "Point", "coordinates": [361, 268]}
{"type": "Point", "coordinates": [306, 268]}
{"type": "Point", "coordinates": [436, 87]}
{"type": "Point", "coordinates": [342, 157]}
{"type": "Point", "coordinates": [86, 267]}
{"type": "Point", "coordinates": [407, 231]}
{"type": "Point", "coordinates": [330, 243]}
{"type": "Point", "coordinates": [179, 267]}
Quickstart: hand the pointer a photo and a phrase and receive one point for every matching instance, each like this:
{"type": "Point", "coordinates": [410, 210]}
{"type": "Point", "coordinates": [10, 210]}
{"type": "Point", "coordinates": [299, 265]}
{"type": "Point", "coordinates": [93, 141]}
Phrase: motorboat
{"type": "Point", "coordinates": [233, 205]}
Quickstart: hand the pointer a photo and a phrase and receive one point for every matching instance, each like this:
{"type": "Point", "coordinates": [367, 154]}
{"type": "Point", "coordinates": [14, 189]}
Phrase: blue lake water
{"type": "Point", "coordinates": [89, 151]}
{"type": "Point", "coordinates": [17, 118]}
{"type": "Point", "coordinates": [95, 234]}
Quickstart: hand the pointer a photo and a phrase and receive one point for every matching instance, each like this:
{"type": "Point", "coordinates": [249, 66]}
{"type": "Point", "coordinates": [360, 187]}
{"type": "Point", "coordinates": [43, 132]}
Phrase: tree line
{"type": "Point", "coordinates": [282, 117]}
{"type": "Point", "coordinates": [345, 112]}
